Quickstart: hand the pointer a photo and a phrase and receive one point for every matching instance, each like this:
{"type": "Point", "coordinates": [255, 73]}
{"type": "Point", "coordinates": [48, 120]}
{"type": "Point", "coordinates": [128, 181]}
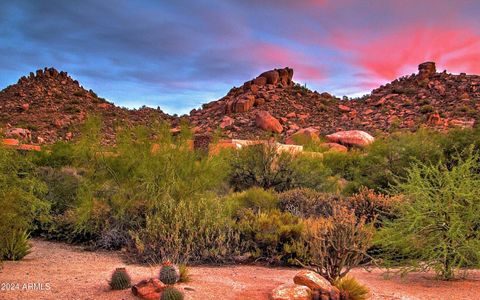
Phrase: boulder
{"type": "Point", "coordinates": [19, 133]}
{"type": "Point", "coordinates": [267, 122]}
{"type": "Point", "coordinates": [427, 69]}
{"type": "Point", "coordinates": [226, 122]}
{"type": "Point", "coordinates": [351, 138]}
{"type": "Point", "coordinates": [313, 281]}
{"type": "Point", "coordinates": [303, 136]}
{"type": "Point", "coordinates": [344, 108]}
{"type": "Point", "coordinates": [334, 147]}
{"type": "Point", "coordinates": [10, 142]}
{"type": "Point", "coordinates": [149, 289]}
{"type": "Point", "coordinates": [272, 76]}
{"type": "Point", "coordinates": [291, 291]}
{"type": "Point", "coordinates": [260, 81]}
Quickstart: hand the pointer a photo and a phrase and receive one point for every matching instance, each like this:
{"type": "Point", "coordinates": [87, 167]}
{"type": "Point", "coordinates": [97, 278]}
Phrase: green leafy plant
{"type": "Point", "coordinates": [15, 245]}
{"type": "Point", "coordinates": [120, 279]}
{"type": "Point", "coordinates": [438, 226]}
{"type": "Point", "coordinates": [351, 289]}
{"type": "Point", "coordinates": [171, 293]}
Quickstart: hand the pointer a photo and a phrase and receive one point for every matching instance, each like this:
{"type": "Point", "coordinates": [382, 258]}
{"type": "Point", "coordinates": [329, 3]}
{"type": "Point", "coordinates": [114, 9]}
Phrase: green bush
{"type": "Point", "coordinates": [272, 236]}
{"type": "Point", "coordinates": [261, 166]}
{"type": "Point", "coordinates": [306, 203]}
{"type": "Point", "coordinates": [21, 209]}
{"type": "Point", "coordinates": [257, 199]}
{"type": "Point", "coordinates": [438, 225]}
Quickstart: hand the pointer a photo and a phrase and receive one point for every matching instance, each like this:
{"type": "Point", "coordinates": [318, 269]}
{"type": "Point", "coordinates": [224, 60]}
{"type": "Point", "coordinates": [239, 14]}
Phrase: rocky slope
{"type": "Point", "coordinates": [428, 98]}
{"type": "Point", "coordinates": [47, 106]}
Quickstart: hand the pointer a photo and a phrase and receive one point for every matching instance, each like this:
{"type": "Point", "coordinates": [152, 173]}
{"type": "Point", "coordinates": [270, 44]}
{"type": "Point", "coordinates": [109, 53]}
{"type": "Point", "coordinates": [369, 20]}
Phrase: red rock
{"type": "Point", "coordinates": [335, 147]}
{"type": "Point", "coordinates": [344, 108]}
{"type": "Point", "coordinates": [226, 122]}
{"type": "Point", "coordinates": [149, 289]}
{"type": "Point", "coordinates": [303, 136]}
{"type": "Point", "coordinates": [267, 122]}
{"type": "Point", "coordinates": [29, 147]}
{"type": "Point", "coordinates": [260, 81]}
{"type": "Point", "coordinates": [351, 138]}
{"type": "Point", "coordinates": [290, 291]}
{"type": "Point", "coordinates": [105, 105]}
{"type": "Point", "coordinates": [20, 133]}
{"type": "Point", "coordinates": [462, 123]}
{"type": "Point", "coordinates": [312, 280]}
{"type": "Point", "coordinates": [10, 142]}
{"type": "Point", "coordinates": [25, 106]}
{"type": "Point", "coordinates": [291, 115]}
{"type": "Point", "coordinates": [259, 101]}
{"type": "Point", "coordinates": [68, 136]}
{"type": "Point", "coordinates": [272, 77]}
{"type": "Point", "coordinates": [274, 97]}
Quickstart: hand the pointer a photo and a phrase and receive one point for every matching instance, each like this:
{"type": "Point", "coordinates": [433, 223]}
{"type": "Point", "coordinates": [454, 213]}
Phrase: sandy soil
{"type": "Point", "coordinates": [62, 271]}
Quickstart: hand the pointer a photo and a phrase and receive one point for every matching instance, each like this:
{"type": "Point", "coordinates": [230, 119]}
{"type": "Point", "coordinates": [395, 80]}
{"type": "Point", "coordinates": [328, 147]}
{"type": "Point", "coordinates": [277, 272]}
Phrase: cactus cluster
{"type": "Point", "coordinates": [169, 274]}
{"type": "Point", "coordinates": [171, 293]}
{"type": "Point", "coordinates": [120, 279]}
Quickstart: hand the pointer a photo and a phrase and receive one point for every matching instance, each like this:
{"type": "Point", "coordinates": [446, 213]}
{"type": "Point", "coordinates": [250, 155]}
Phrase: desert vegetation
{"type": "Point", "coordinates": [408, 200]}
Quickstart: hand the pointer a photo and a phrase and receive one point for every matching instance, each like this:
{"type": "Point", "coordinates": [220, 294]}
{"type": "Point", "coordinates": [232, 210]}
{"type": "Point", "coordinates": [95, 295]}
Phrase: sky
{"type": "Point", "coordinates": [178, 54]}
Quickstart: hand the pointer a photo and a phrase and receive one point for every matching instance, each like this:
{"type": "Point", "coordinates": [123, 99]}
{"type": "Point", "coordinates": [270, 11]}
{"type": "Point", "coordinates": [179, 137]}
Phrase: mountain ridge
{"type": "Point", "coordinates": [50, 104]}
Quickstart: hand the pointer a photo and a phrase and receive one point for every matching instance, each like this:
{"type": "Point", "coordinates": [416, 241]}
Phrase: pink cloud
{"type": "Point", "coordinates": [398, 52]}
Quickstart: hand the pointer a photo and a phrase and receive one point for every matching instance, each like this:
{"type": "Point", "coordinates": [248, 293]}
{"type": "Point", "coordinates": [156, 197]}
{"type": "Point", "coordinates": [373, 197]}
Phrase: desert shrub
{"type": "Point", "coordinates": [338, 243]}
{"type": "Point", "coordinates": [372, 206]}
{"type": "Point", "coordinates": [311, 172]}
{"type": "Point", "coordinates": [57, 155]}
{"type": "Point", "coordinates": [438, 225]}
{"type": "Point", "coordinates": [272, 236]}
{"type": "Point", "coordinates": [254, 198]}
{"type": "Point", "coordinates": [351, 289]}
{"type": "Point", "coordinates": [388, 158]}
{"type": "Point", "coordinates": [193, 230]}
{"type": "Point", "coordinates": [261, 166]}
{"type": "Point", "coordinates": [21, 209]}
{"type": "Point", "coordinates": [62, 185]}
{"type": "Point", "coordinates": [306, 203]}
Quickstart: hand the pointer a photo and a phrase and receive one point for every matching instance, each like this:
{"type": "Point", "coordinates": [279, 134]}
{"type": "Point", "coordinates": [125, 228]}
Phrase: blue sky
{"type": "Point", "coordinates": [180, 54]}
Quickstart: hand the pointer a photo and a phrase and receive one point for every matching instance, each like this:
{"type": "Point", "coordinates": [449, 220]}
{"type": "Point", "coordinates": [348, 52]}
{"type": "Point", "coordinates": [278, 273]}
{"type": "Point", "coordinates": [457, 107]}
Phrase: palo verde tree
{"type": "Point", "coordinates": [438, 226]}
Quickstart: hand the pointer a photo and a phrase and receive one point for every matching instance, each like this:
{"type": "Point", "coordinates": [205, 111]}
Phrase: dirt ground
{"type": "Point", "coordinates": [60, 271]}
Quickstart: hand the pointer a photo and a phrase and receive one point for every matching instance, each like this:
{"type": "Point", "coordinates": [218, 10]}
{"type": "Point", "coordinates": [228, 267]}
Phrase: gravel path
{"type": "Point", "coordinates": [60, 271]}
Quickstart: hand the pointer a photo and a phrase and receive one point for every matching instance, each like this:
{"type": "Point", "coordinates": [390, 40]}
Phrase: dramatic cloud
{"type": "Point", "coordinates": [180, 54]}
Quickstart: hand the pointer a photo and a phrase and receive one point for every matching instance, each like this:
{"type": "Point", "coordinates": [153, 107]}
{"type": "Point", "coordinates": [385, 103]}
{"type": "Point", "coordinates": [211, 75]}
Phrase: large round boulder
{"type": "Point", "coordinates": [351, 138]}
{"type": "Point", "coordinates": [267, 122]}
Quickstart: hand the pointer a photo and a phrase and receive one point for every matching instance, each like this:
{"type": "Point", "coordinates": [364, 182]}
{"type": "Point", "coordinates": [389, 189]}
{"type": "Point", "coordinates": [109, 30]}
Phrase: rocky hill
{"type": "Point", "coordinates": [47, 106]}
{"type": "Point", "coordinates": [427, 98]}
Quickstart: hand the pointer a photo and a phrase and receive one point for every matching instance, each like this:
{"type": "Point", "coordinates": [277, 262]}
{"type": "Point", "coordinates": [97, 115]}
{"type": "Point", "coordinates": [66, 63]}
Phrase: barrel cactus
{"type": "Point", "coordinates": [169, 274]}
{"type": "Point", "coordinates": [171, 293]}
{"type": "Point", "coordinates": [120, 279]}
